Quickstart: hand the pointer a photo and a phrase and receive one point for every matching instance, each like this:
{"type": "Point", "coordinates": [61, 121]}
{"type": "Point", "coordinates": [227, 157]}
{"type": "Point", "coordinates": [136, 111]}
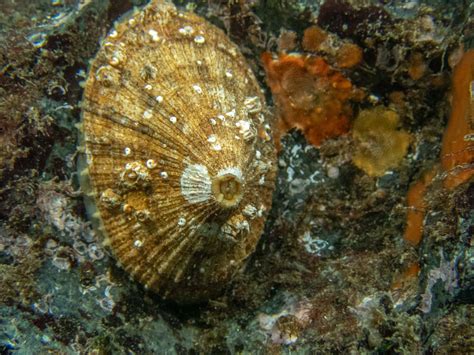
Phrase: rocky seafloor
{"type": "Point", "coordinates": [333, 272]}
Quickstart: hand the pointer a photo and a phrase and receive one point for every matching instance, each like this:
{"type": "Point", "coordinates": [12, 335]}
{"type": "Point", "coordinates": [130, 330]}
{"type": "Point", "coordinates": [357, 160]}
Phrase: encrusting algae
{"type": "Point", "coordinates": [310, 94]}
{"type": "Point", "coordinates": [343, 54]}
{"type": "Point", "coordinates": [313, 38]}
{"type": "Point", "coordinates": [457, 150]}
{"type": "Point", "coordinates": [179, 162]}
{"type": "Point", "coordinates": [379, 145]}
{"type": "Point", "coordinates": [417, 208]}
{"type": "Point", "coordinates": [417, 66]}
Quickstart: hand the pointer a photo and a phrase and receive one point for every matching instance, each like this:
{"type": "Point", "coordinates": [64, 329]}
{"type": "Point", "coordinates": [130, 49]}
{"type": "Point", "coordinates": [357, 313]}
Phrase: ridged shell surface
{"type": "Point", "coordinates": [179, 164]}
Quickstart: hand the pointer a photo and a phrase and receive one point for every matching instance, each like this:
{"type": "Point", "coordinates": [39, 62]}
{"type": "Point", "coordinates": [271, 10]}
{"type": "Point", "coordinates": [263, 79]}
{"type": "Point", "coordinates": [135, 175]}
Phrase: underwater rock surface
{"type": "Point", "coordinates": [339, 268]}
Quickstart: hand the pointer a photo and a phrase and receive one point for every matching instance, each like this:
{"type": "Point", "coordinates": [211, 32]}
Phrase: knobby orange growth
{"type": "Point", "coordinates": [313, 37]}
{"type": "Point", "coordinates": [417, 66]}
{"type": "Point", "coordinates": [310, 96]}
{"type": "Point", "coordinates": [457, 151]}
{"type": "Point", "coordinates": [344, 54]}
{"type": "Point", "coordinates": [348, 56]}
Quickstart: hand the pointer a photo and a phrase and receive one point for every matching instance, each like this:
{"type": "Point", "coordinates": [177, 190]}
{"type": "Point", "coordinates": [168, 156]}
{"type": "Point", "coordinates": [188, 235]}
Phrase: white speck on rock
{"type": "Point", "coordinates": [154, 35]}
{"type": "Point", "coordinates": [186, 30]}
{"type": "Point", "coordinates": [199, 39]}
{"type": "Point", "coordinates": [197, 88]}
{"type": "Point", "coordinates": [147, 114]}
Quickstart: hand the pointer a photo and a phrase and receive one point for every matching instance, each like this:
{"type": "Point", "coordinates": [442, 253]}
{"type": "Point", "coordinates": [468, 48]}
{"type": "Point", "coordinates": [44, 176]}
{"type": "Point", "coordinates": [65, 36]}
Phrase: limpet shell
{"type": "Point", "coordinates": [179, 164]}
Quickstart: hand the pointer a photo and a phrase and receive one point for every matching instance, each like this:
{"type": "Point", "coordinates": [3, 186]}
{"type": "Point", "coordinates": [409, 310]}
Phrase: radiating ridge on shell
{"type": "Point", "coordinates": [179, 159]}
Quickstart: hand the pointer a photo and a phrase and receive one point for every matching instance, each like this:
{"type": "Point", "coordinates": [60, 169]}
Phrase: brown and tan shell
{"type": "Point", "coordinates": [179, 163]}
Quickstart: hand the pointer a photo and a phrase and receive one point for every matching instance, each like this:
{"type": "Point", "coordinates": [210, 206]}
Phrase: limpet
{"type": "Point", "coordinates": [183, 168]}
